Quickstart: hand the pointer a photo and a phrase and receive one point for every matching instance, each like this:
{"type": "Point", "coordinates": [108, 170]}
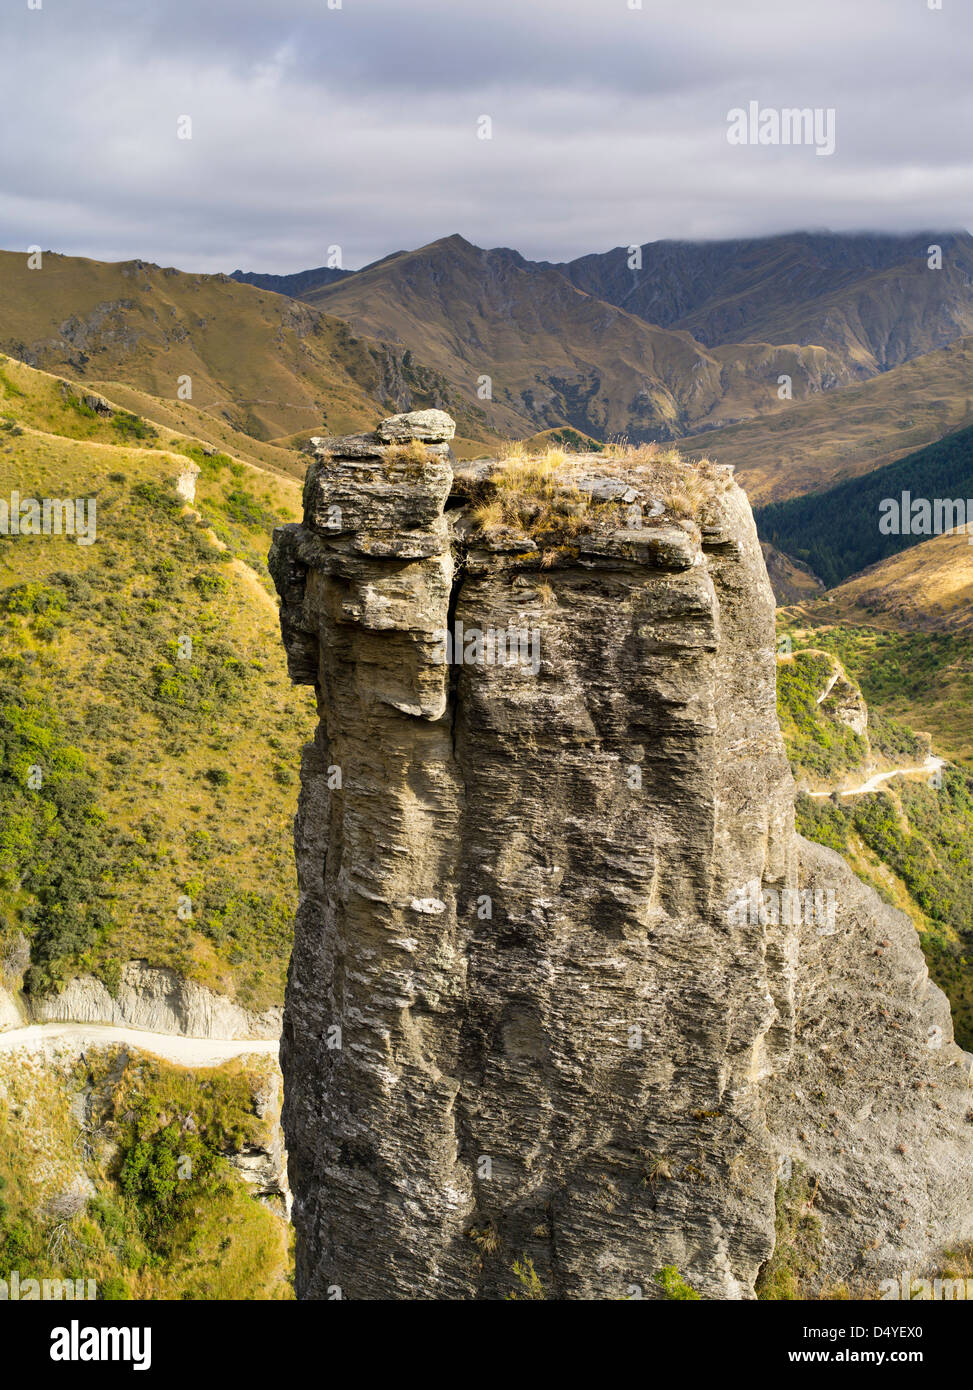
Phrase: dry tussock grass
{"type": "Point", "coordinates": [536, 494]}
{"type": "Point", "coordinates": [413, 451]}
{"type": "Point", "coordinates": [539, 494]}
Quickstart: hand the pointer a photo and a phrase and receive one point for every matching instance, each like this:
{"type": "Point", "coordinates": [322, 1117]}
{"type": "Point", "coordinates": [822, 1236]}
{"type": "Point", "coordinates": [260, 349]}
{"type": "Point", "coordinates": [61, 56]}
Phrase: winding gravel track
{"type": "Point", "coordinates": [53, 1038]}
{"type": "Point", "coordinates": [873, 783]}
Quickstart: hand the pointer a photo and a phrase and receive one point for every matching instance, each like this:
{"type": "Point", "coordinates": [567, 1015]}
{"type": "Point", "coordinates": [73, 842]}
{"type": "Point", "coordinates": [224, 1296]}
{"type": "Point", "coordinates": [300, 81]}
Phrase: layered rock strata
{"type": "Point", "coordinates": [521, 1020]}
{"type": "Point", "coordinates": [158, 1000]}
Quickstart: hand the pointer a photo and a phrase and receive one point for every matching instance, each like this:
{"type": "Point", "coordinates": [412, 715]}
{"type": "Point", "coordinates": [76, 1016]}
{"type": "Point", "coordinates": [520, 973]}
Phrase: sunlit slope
{"type": "Point", "coordinates": [911, 837]}
{"type": "Point", "coordinates": [262, 363]}
{"type": "Point", "coordinates": [58, 405]}
{"type": "Point", "coordinates": [184, 418]}
{"type": "Point", "coordinates": [807, 446]}
{"type": "Point", "coordinates": [121, 1170]}
{"type": "Point", "coordinates": [555, 356]}
{"type": "Point", "coordinates": [904, 627]}
{"type": "Point", "coordinates": [143, 676]}
{"type": "Point", "coordinates": [926, 588]}
{"type": "Point", "coordinates": [923, 678]}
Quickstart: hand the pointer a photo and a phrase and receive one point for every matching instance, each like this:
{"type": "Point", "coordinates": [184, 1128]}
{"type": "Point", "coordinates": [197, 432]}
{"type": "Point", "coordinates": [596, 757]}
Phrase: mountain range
{"type": "Point", "coordinates": [695, 338]}
{"type": "Point", "coordinates": [701, 340]}
{"type": "Point", "coordinates": [843, 292]}
{"type": "Point", "coordinates": [670, 340]}
{"type": "Point", "coordinates": [267, 365]}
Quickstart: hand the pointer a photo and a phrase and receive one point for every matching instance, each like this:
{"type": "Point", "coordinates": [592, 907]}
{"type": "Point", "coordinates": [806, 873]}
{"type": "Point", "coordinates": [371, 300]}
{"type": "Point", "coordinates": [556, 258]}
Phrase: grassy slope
{"type": "Point", "coordinates": [927, 588]}
{"type": "Point", "coordinates": [807, 446]}
{"type": "Point", "coordinates": [819, 745]}
{"type": "Point", "coordinates": [121, 1126]}
{"type": "Point", "coordinates": [902, 626]}
{"type": "Point", "coordinates": [913, 842]}
{"type": "Point", "coordinates": [276, 456]}
{"type": "Point", "coordinates": [262, 363]}
{"type": "Point", "coordinates": [181, 782]}
{"type": "Point", "coordinates": [563, 438]}
{"type": "Point", "coordinates": [920, 678]}
{"type": "Point", "coordinates": [49, 402]}
{"type": "Point", "coordinates": [126, 820]}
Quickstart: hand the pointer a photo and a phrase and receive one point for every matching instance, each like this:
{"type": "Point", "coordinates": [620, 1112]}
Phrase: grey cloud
{"type": "Point", "coordinates": [358, 126]}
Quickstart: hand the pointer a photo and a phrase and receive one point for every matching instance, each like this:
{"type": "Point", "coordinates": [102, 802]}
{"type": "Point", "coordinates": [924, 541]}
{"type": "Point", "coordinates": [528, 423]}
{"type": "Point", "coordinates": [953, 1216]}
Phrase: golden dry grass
{"type": "Point", "coordinates": [540, 494]}
{"type": "Point", "coordinates": [412, 451]}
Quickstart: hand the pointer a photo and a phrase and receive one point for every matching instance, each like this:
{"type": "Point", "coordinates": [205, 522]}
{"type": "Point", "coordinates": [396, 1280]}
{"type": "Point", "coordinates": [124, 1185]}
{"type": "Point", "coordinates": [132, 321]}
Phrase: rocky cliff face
{"type": "Point", "coordinates": [555, 992]}
{"type": "Point", "coordinates": [156, 999]}
{"type": "Point", "coordinates": [875, 1105]}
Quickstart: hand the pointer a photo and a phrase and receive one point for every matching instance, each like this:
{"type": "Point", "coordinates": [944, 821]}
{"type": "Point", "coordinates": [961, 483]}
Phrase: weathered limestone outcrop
{"type": "Point", "coordinates": [10, 1014]}
{"type": "Point", "coordinates": [876, 1104]}
{"type": "Point", "coordinates": [521, 1019]}
{"type": "Point", "coordinates": [842, 700]}
{"type": "Point", "coordinates": [264, 1166]}
{"type": "Point", "coordinates": [158, 1000]}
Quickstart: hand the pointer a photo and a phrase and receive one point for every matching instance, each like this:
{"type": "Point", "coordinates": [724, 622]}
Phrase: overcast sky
{"type": "Point", "coordinates": [358, 126]}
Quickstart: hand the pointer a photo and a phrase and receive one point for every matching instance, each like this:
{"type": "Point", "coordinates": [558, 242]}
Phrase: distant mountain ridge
{"type": "Point", "coordinates": [683, 343]}
{"type": "Point", "coordinates": [872, 297]}
{"type": "Point", "coordinates": [302, 282]}
{"type": "Point", "coordinates": [549, 354]}
{"type": "Point", "coordinates": [702, 338]}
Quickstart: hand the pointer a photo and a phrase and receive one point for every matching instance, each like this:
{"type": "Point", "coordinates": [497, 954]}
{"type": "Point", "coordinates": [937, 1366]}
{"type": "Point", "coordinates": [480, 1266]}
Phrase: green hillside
{"type": "Point", "coordinates": [913, 838]}
{"type": "Point", "coordinates": [143, 678]}
{"type": "Point", "coordinates": [119, 1170]}
{"type": "Point", "coordinates": [914, 844]}
{"type": "Point", "coordinates": [837, 532]}
{"type": "Point", "coordinates": [922, 679]}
